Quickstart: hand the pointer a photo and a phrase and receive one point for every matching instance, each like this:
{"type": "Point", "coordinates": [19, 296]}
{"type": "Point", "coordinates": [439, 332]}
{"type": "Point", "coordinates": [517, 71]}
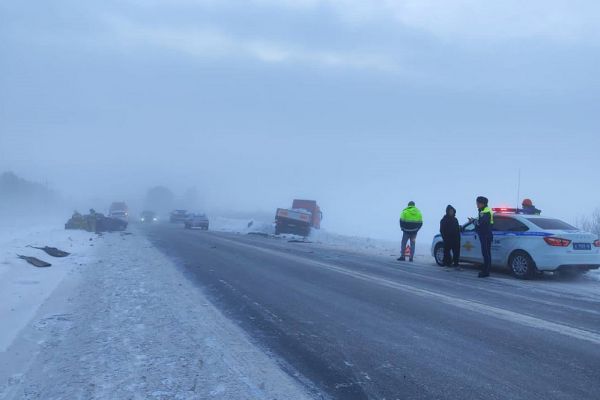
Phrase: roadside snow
{"type": "Point", "coordinates": [363, 244]}
{"type": "Point", "coordinates": [133, 327]}
{"type": "Point", "coordinates": [330, 239]}
{"type": "Point", "coordinates": [23, 287]}
{"type": "Point", "coordinates": [237, 225]}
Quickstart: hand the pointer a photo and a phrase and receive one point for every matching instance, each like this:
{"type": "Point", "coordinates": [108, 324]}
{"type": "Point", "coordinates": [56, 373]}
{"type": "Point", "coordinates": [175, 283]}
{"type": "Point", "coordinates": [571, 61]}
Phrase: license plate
{"type": "Point", "coordinates": [582, 246]}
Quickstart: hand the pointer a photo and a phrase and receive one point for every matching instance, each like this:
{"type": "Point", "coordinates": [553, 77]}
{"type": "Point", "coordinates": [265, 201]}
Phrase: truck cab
{"type": "Point", "coordinates": [312, 207]}
{"type": "Point", "coordinates": [119, 210]}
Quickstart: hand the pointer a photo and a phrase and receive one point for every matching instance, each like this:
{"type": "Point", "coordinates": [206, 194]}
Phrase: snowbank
{"type": "Point", "coordinates": [23, 287]}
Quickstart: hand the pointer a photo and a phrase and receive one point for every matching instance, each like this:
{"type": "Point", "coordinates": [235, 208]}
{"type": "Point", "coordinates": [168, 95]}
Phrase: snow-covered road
{"type": "Point", "coordinates": [126, 324]}
{"type": "Point", "coordinates": [364, 326]}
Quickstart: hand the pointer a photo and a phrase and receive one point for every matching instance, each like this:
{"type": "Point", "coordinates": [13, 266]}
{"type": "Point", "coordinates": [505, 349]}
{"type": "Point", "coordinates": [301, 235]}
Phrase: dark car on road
{"type": "Point", "coordinates": [148, 217]}
{"type": "Point", "coordinates": [179, 216]}
{"type": "Point", "coordinates": [197, 221]}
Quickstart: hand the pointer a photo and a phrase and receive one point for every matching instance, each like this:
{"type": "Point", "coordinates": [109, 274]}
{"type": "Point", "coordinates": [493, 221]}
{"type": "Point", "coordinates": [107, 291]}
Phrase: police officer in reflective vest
{"type": "Point", "coordinates": [411, 220]}
{"type": "Point", "coordinates": [483, 226]}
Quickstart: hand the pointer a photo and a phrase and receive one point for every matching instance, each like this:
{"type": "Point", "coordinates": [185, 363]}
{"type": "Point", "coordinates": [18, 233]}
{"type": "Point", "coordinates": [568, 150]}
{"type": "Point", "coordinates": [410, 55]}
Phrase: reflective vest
{"type": "Point", "coordinates": [411, 219]}
{"type": "Point", "coordinates": [487, 210]}
{"type": "Point", "coordinates": [411, 214]}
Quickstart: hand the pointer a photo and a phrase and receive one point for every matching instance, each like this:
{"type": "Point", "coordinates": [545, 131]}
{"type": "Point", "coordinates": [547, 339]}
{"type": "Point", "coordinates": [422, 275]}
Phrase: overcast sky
{"type": "Point", "coordinates": [362, 105]}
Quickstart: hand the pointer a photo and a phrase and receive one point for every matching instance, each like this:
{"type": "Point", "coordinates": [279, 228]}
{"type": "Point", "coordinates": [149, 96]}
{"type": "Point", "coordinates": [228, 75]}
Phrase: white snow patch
{"type": "Point", "coordinates": [237, 225]}
{"type": "Point", "coordinates": [23, 287]}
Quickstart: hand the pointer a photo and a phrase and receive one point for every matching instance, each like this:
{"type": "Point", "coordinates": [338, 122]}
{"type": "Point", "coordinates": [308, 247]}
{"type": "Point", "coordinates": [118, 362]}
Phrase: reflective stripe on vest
{"type": "Point", "coordinates": [487, 210]}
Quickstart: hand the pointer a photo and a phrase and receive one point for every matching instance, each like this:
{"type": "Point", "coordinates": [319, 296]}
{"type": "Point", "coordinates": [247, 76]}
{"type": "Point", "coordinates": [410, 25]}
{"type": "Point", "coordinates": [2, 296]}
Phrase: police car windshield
{"type": "Point", "coordinates": [551, 224]}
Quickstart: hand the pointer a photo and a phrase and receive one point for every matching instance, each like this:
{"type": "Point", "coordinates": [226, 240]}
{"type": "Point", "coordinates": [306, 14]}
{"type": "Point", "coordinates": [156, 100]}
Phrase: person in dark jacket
{"type": "Point", "coordinates": [450, 230]}
{"type": "Point", "coordinates": [483, 227]}
{"type": "Point", "coordinates": [529, 208]}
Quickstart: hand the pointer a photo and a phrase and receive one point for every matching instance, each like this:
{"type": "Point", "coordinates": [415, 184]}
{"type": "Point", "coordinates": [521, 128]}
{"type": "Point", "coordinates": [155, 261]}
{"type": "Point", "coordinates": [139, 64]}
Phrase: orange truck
{"type": "Point", "coordinates": [300, 219]}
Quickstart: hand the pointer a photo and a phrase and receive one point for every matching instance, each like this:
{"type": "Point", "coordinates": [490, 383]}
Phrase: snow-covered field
{"type": "Point", "coordinates": [117, 320]}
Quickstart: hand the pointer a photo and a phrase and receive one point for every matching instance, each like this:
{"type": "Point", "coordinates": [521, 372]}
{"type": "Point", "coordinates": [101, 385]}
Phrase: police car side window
{"type": "Point", "coordinates": [504, 224]}
{"type": "Point", "coordinates": [500, 224]}
{"type": "Point", "coordinates": [468, 228]}
{"type": "Point", "coordinates": [517, 226]}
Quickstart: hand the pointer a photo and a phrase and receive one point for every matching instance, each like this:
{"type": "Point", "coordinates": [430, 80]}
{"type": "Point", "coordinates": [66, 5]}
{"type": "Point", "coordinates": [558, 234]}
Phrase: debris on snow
{"type": "Point", "coordinates": [51, 251]}
{"type": "Point", "coordinates": [36, 262]}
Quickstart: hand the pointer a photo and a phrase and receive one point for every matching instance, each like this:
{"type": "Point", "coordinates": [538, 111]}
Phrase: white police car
{"type": "Point", "coordinates": [529, 243]}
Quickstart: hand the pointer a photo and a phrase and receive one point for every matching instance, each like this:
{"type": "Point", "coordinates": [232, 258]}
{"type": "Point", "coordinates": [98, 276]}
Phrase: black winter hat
{"type": "Point", "coordinates": [450, 208]}
{"type": "Point", "coordinates": [411, 203]}
{"type": "Point", "coordinates": [483, 200]}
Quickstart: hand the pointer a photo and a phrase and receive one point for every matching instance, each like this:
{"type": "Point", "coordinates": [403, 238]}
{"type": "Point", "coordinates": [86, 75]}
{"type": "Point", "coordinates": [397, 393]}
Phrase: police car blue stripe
{"type": "Point", "coordinates": [500, 233]}
{"type": "Point", "coordinates": [541, 234]}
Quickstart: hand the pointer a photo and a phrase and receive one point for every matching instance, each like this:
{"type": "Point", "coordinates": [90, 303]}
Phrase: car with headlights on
{"type": "Point", "coordinates": [148, 217]}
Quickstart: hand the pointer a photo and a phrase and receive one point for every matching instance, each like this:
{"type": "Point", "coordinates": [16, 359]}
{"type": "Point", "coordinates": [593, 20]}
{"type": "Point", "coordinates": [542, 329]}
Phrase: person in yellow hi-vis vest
{"type": "Point", "coordinates": [411, 220]}
{"type": "Point", "coordinates": [484, 225]}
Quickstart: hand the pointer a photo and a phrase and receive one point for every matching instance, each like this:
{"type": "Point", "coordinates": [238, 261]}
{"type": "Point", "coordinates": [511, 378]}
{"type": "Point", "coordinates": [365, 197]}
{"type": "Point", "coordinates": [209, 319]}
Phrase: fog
{"type": "Point", "coordinates": [362, 107]}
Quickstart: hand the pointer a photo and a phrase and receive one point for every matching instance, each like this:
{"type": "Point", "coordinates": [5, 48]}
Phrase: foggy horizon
{"type": "Point", "coordinates": [360, 107]}
{"type": "Point", "coordinates": [209, 199]}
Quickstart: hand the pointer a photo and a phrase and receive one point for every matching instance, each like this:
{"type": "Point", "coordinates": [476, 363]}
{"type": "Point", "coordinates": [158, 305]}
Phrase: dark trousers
{"type": "Point", "coordinates": [451, 246]}
{"type": "Point", "coordinates": [486, 251]}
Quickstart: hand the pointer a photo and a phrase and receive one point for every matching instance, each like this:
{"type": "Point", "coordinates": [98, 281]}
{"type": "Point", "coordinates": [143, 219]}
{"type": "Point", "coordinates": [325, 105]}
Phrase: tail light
{"type": "Point", "coordinates": [597, 243]}
{"type": "Point", "coordinates": [558, 242]}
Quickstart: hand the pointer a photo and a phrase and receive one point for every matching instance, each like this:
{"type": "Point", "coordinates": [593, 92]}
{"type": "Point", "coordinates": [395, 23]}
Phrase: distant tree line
{"type": "Point", "coordinates": [590, 223]}
{"type": "Point", "coordinates": [18, 194]}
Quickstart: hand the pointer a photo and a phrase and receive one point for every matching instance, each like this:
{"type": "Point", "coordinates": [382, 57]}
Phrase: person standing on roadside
{"type": "Point", "coordinates": [483, 227]}
{"type": "Point", "coordinates": [411, 220]}
{"type": "Point", "coordinates": [450, 230]}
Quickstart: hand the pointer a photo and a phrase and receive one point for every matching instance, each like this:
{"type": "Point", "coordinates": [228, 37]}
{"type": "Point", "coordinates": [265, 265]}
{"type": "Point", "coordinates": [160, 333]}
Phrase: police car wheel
{"type": "Point", "coordinates": [439, 254]}
{"type": "Point", "coordinates": [522, 265]}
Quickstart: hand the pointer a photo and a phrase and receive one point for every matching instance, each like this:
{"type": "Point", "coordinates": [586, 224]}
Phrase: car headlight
{"type": "Point", "coordinates": [142, 219]}
{"type": "Point", "coordinates": [155, 219]}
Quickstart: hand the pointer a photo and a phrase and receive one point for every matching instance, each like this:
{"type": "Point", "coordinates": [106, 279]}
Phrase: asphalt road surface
{"type": "Point", "coordinates": [358, 326]}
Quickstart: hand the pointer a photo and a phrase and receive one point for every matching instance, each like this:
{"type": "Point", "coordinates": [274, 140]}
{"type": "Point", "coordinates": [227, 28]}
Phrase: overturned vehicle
{"type": "Point", "coordinates": [95, 222]}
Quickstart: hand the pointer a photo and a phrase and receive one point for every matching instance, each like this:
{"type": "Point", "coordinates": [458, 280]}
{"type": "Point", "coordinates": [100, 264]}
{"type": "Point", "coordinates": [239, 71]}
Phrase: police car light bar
{"type": "Point", "coordinates": [504, 210]}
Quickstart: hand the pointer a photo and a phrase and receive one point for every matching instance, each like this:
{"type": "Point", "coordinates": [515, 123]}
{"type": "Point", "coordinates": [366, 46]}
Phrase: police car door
{"type": "Point", "coordinates": [470, 248]}
{"type": "Point", "coordinates": [506, 236]}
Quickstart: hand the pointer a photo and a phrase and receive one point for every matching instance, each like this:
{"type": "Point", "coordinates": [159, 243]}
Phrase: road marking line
{"type": "Point", "coordinates": [498, 290]}
{"type": "Point", "coordinates": [470, 305]}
